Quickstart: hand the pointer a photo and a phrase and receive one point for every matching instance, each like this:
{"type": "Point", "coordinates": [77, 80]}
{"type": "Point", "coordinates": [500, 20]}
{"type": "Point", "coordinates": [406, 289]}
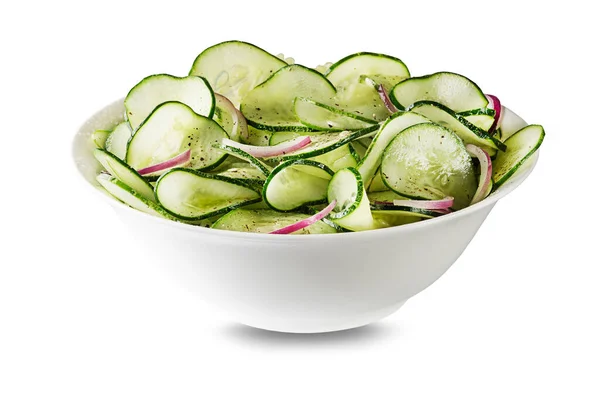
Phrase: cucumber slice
{"type": "Point", "coordinates": [521, 146]}
{"type": "Point", "coordinates": [386, 219]}
{"type": "Point", "coordinates": [350, 68]}
{"type": "Point", "coordinates": [320, 116]}
{"type": "Point", "coordinates": [143, 98]}
{"type": "Point", "coordinates": [230, 119]}
{"type": "Point", "coordinates": [263, 168]}
{"type": "Point", "coordinates": [99, 137]}
{"type": "Point", "coordinates": [377, 184]}
{"type": "Point", "coordinates": [339, 158]}
{"type": "Point", "coordinates": [509, 124]}
{"type": "Point", "coordinates": [117, 141]}
{"type": "Point", "coordinates": [324, 143]}
{"type": "Point", "coordinates": [428, 161]}
{"type": "Point", "coordinates": [297, 183]}
{"type": "Point", "coordinates": [381, 210]}
{"type": "Point", "coordinates": [234, 68]}
{"type": "Point", "coordinates": [191, 195]}
{"type": "Point", "coordinates": [124, 173]}
{"type": "Point", "coordinates": [171, 129]}
{"type": "Point", "coordinates": [455, 91]}
{"type": "Point", "coordinates": [360, 149]}
{"type": "Point", "coordinates": [468, 132]}
{"type": "Point", "coordinates": [133, 199]}
{"type": "Point", "coordinates": [270, 105]}
{"type": "Point", "coordinates": [481, 121]}
{"type": "Point", "coordinates": [385, 196]}
{"type": "Point", "coordinates": [282, 136]}
{"type": "Point", "coordinates": [257, 137]}
{"type": "Point", "coordinates": [245, 172]}
{"type": "Point", "coordinates": [354, 94]}
{"type": "Point", "coordinates": [388, 131]}
{"type": "Point", "coordinates": [265, 221]}
{"type": "Point", "coordinates": [352, 210]}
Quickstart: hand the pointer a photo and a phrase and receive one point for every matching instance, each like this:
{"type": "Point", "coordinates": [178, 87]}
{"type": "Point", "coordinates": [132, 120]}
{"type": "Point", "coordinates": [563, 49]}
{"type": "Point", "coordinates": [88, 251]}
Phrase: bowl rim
{"type": "Point", "coordinates": [489, 201]}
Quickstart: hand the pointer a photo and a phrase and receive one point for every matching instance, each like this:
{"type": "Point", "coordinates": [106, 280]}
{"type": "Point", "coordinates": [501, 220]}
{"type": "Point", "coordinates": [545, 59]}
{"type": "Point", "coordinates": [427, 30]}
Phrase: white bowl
{"type": "Point", "coordinates": [297, 283]}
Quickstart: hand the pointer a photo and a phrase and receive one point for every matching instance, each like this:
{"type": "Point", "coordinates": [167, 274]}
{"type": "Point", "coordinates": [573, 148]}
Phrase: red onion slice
{"type": "Point", "coordinates": [436, 205]}
{"type": "Point", "coordinates": [176, 161]}
{"type": "Point", "coordinates": [305, 222]}
{"type": "Point", "coordinates": [383, 95]}
{"type": "Point", "coordinates": [485, 178]}
{"type": "Point", "coordinates": [271, 151]}
{"type": "Point", "coordinates": [497, 106]}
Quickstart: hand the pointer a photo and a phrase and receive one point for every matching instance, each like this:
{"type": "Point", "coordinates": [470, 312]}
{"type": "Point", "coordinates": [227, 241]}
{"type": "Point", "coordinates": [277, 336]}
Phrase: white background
{"type": "Point", "coordinates": [85, 314]}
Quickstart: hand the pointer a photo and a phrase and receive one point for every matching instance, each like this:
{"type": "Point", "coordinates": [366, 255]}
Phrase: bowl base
{"type": "Point", "coordinates": [320, 326]}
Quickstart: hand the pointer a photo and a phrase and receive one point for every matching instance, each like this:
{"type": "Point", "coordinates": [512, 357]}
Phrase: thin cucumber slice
{"type": "Point", "coordinates": [263, 168]}
{"type": "Point", "coordinates": [350, 68]}
{"type": "Point", "coordinates": [297, 183]}
{"type": "Point", "coordinates": [324, 143]}
{"type": "Point", "coordinates": [481, 121]}
{"type": "Point", "coordinates": [171, 129]}
{"type": "Point", "coordinates": [99, 137]}
{"type": "Point", "coordinates": [377, 184]}
{"type": "Point", "coordinates": [265, 221]}
{"type": "Point", "coordinates": [509, 124]}
{"type": "Point", "coordinates": [234, 68]}
{"type": "Point", "coordinates": [257, 137]}
{"type": "Point", "coordinates": [465, 130]}
{"type": "Point", "coordinates": [401, 211]}
{"type": "Point", "coordinates": [352, 210]}
{"type": "Point", "coordinates": [320, 116]}
{"type": "Point", "coordinates": [282, 136]}
{"type": "Point", "coordinates": [482, 118]}
{"type": "Point", "coordinates": [245, 172]}
{"type": "Point", "coordinates": [230, 119]}
{"type": "Point", "coordinates": [385, 219]}
{"type": "Point", "coordinates": [270, 105]}
{"type": "Point", "coordinates": [143, 98]}
{"type": "Point", "coordinates": [356, 96]}
{"type": "Point", "coordinates": [455, 91]}
{"type": "Point", "coordinates": [117, 141]}
{"type": "Point", "coordinates": [133, 199]}
{"type": "Point", "coordinates": [340, 158]}
{"type": "Point", "coordinates": [521, 146]}
{"type": "Point", "coordinates": [124, 173]}
{"type": "Point", "coordinates": [336, 159]}
{"type": "Point", "coordinates": [428, 161]}
{"type": "Point", "coordinates": [360, 149]}
{"type": "Point", "coordinates": [385, 196]}
{"type": "Point", "coordinates": [191, 195]}
{"type": "Point", "coordinates": [388, 131]}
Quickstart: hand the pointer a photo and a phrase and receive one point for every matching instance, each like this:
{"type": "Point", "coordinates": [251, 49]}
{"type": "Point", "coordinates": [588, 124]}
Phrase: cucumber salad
{"type": "Point", "coordinates": [253, 142]}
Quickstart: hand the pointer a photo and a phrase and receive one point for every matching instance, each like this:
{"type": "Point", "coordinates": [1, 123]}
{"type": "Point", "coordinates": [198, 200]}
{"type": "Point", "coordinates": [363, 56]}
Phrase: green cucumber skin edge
{"type": "Point", "coordinates": [207, 176]}
{"type": "Point", "coordinates": [401, 107]}
{"type": "Point", "coordinates": [364, 53]}
{"type": "Point", "coordinates": [359, 194]}
{"type": "Point", "coordinates": [516, 167]}
{"type": "Point", "coordinates": [477, 131]}
{"type": "Point", "coordinates": [212, 93]}
{"type": "Point", "coordinates": [285, 165]}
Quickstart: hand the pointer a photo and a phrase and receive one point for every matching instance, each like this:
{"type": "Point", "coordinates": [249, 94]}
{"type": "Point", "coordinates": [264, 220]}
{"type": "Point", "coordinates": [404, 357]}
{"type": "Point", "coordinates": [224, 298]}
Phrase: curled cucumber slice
{"type": "Point", "coordinates": [143, 98]}
{"type": "Point", "coordinates": [171, 129]}
{"type": "Point", "coordinates": [124, 173]}
{"type": "Point", "coordinates": [191, 195]}
{"type": "Point", "coordinates": [131, 197]}
{"type": "Point", "coordinates": [352, 210]}
{"type": "Point", "coordinates": [297, 183]}
{"type": "Point", "coordinates": [521, 146]}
